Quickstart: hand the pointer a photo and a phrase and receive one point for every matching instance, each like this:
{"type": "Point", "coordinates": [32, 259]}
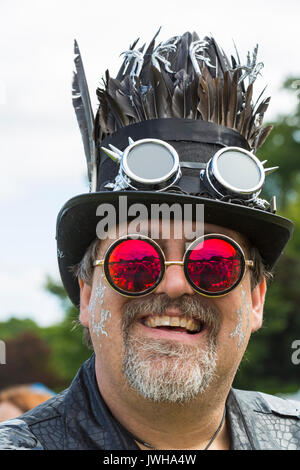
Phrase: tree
{"type": "Point", "coordinates": [282, 149]}
{"type": "Point", "coordinates": [51, 355]}
{"type": "Point", "coordinates": [66, 338]}
{"type": "Point", "coordinates": [267, 365]}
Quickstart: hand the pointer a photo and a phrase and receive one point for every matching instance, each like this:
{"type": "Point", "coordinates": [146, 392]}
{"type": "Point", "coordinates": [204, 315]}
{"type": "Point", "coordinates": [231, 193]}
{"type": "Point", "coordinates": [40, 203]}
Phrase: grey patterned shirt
{"type": "Point", "coordinates": [78, 419]}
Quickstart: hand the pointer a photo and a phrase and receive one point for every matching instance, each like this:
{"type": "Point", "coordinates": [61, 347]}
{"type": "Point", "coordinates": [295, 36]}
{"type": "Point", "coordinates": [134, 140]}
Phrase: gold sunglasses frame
{"type": "Point", "coordinates": [135, 236]}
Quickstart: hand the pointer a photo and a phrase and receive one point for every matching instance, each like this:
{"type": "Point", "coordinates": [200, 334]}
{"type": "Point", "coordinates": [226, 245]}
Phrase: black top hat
{"type": "Point", "coordinates": [183, 103]}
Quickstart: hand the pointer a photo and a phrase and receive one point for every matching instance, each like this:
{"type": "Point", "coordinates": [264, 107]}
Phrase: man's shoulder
{"type": "Point", "coordinates": [263, 421]}
{"type": "Point", "coordinates": [266, 403]}
{"type": "Point", "coordinates": [15, 434]}
{"type": "Point", "coordinates": [19, 433]}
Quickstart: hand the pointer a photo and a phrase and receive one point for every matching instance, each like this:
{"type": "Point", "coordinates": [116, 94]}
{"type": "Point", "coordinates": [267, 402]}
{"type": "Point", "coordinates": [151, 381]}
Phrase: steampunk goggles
{"type": "Point", "coordinates": [154, 165]}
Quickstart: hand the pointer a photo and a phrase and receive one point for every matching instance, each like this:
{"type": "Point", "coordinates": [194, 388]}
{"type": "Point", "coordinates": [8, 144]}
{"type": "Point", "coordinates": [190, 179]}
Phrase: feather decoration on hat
{"type": "Point", "coordinates": [184, 77]}
{"type": "Point", "coordinates": [85, 117]}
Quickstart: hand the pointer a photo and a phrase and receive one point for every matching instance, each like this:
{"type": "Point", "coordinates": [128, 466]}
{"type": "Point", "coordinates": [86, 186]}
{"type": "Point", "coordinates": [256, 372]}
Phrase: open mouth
{"type": "Point", "coordinates": [178, 324]}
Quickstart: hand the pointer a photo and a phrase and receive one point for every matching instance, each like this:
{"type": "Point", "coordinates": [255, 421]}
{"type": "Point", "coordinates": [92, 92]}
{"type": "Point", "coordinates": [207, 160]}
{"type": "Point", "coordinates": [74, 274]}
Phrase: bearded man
{"type": "Point", "coordinates": [168, 299]}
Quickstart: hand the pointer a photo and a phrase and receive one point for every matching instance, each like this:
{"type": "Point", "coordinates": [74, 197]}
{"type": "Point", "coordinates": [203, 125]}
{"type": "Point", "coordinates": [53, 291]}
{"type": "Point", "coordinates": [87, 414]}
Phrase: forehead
{"type": "Point", "coordinates": [169, 232]}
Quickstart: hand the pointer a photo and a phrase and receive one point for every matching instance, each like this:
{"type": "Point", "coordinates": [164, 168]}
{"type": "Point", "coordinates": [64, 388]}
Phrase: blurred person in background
{"type": "Point", "coordinates": [16, 400]}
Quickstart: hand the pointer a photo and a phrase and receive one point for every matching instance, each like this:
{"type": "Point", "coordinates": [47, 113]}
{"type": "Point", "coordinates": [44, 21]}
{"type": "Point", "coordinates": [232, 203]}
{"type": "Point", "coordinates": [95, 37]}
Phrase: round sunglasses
{"type": "Point", "coordinates": [134, 265]}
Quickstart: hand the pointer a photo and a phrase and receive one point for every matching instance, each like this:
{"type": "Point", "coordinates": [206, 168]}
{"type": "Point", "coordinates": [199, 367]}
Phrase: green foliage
{"type": "Point", "coordinates": [267, 365]}
{"type": "Point", "coordinates": [15, 326]}
{"type": "Point", "coordinates": [60, 347]}
{"type": "Point", "coordinates": [282, 149]}
{"type": "Point", "coordinates": [28, 362]}
{"type": "Point", "coordinates": [65, 338]}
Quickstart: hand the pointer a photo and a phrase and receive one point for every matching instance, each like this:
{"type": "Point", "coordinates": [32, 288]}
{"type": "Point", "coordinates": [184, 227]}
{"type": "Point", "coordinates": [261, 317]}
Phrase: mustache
{"type": "Point", "coordinates": [187, 305]}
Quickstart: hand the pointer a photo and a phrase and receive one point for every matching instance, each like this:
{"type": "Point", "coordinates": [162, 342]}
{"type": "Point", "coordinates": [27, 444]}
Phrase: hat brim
{"type": "Point", "coordinates": [77, 220]}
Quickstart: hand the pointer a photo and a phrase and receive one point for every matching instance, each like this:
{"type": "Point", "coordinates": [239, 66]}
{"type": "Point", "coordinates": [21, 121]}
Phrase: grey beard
{"type": "Point", "coordinates": [168, 371]}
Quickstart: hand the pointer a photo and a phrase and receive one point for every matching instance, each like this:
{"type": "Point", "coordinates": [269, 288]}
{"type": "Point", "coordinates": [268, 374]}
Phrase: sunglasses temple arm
{"type": "Point", "coordinates": [98, 262]}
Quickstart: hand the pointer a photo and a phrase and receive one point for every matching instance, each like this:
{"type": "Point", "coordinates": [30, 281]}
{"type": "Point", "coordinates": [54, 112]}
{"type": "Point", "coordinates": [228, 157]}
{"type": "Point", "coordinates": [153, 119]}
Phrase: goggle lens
{"type": "Point", "coordinates": [214, 265]}
{"type": "Point", "coordinates": [134, 266]}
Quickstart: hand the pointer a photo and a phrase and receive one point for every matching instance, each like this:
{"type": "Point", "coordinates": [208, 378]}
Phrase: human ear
{"type": "Point", "coordinates": [258, 300]}
{"type": "Point", "coordinates": [85, 295]}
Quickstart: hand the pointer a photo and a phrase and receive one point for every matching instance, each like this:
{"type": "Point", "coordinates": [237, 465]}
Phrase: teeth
{"type": "Point", "coordinates": [190, 324]}
{"type": "Point", "coordinates": [187, 323]}
{"type": "Point", "coordinates": [164, 321]}
{"type": "Point", "coordinates": [174, 321]}
{"type": "Point", "coordinates": [151, 322]}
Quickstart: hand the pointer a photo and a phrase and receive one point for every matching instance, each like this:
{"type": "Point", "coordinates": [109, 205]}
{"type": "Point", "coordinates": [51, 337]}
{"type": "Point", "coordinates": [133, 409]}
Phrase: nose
{"type": "Point", "coordinates": [174, 282]}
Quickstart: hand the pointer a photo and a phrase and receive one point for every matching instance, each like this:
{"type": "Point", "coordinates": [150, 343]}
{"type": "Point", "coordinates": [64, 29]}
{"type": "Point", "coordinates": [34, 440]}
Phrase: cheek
{"type": "Point", "coordinates": [236, 322]}
{"type": "Point", "coordinates": [104, 316]}
{"type": "Point", "coordinates": [98, 313]}
{"type": "Point", "coordinates": [241, 331]}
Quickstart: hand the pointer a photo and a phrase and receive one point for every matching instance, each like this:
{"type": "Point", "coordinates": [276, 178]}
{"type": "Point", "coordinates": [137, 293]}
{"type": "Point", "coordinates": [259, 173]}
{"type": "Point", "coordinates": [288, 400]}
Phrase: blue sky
{"type": "Point", "coordinates": [42, 162]}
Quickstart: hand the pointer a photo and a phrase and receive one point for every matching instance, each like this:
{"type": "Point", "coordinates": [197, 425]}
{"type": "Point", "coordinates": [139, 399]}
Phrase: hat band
{"type": "Point", "coordinates": [175, 129]}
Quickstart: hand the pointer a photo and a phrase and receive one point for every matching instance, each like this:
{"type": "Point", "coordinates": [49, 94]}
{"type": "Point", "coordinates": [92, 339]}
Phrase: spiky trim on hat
{"type": "Point", "coordinates": [183, 77]}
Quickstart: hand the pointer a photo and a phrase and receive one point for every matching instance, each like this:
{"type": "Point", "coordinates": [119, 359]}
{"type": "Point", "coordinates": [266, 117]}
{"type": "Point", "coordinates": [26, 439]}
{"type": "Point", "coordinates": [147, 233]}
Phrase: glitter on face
{"type": "Point", "coordinates": [98, 295]}
{"type": "Point", "coordinates": [245, 307]}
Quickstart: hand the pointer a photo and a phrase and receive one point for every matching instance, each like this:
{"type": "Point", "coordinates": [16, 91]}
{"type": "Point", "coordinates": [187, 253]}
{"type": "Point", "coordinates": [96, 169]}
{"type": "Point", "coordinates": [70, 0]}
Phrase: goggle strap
{"type": "Point", "coordinates": [194, 165]}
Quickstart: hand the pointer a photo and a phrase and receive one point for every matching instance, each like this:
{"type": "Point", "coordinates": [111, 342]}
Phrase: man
{"type": "Point", "coordinates": [169, 314]}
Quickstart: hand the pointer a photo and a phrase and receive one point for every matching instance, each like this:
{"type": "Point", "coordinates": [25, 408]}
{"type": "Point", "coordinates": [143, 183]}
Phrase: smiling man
{"type": "Point", "coordinates": [170, 356]}
{"type": "Point", "coordinates": [169, 316]}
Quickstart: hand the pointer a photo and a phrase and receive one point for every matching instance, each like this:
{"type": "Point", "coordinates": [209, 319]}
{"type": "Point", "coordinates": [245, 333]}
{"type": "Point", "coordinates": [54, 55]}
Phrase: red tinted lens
{"type": "Point", "coordinates": [134, 266]}
{"type": "Point", "coordinates": [214, 265]}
